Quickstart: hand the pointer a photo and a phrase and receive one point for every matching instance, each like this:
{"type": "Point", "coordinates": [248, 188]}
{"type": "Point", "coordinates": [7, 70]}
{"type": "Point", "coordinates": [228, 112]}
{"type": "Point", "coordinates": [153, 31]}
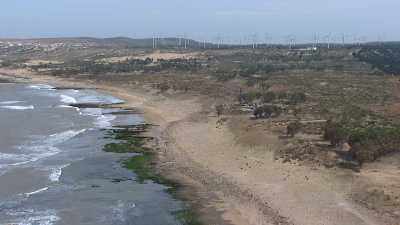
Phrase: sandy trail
{"type": "Point", "coordinates": [300, 194]}
{"type": "Point", "coordinates": [252, 188]}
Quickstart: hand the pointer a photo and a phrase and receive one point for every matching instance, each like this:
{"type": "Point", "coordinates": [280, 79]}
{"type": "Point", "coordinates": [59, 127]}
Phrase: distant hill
{"type": "Point", "coordinates": [170, 42]}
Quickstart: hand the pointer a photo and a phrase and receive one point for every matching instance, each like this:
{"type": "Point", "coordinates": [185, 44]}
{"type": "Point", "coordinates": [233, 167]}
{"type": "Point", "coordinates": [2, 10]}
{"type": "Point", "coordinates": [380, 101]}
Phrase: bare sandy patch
{"type": "Point", "coordinates": [41, 62]}
{"type": "Point", "coordinates": [157, 55]}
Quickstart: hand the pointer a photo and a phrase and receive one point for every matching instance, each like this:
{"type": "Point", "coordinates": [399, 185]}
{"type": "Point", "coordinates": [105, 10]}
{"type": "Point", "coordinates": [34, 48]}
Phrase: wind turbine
{"type": "Point", "coordinates": [328, 40]}
{"type": "Point", "coordinates": [290, 40]}
{"type": "Point", "coordinates": [293, 41]}
{"type": "Point", "coordinates": [266, 39]}
{"type": "Point", "coordinates": [154, 41]}
{"type": "Point", "coordinates": [180, 40]}
{"type": "Point", "coordinates": [343, 40]}
{"type": "Point", "coordinates": [219, 41]}
{"type": "Point", "coordinates": [255, 40]}
{"type": "Point", "coordinates": [185, 41]}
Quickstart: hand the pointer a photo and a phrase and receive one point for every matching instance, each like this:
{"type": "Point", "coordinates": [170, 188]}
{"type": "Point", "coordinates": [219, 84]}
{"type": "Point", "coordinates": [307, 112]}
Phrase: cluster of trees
{"type": "Point", "coordinates": [294, 98]}
{"type": "Point", "coordinates": [385, 58]}
{"type": "Point", "coordinates": [224, 75]}
{"type": "Point", "coordinates": [247, 70]}
{"type": "Point", "coordinates": [368, 141]}
{"type": "Point", "coordinates": [320, 64]}
{"type": "Point", "coordinates": [180, 64]}
{"type": "Point", "coordinates": [129, 65]}
{"type": "Point", "coordinates": [267, 111]}
{"type": "Point", "coordinates": [293, 128]}
{"type": "Point", "coordinates": [94, 67]}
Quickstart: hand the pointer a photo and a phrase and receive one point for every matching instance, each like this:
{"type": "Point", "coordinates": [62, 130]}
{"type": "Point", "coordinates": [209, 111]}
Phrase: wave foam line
{"type": "Point", "coordinates": [17, 107]}
{"type": "Point", "coordinates": [33, 217]}
{"type": "Point", "coordinates": [36, 192]}
{"type": "Point", "coordinates": [10, 102]}
{"type": "Point", "coordinates": [104, 121]}
{"type": "Point", "coordinates": [56, 173]}
{"type": "Point", "coordinates": [41, 87]}
{"type": "Point", "coordinates": [68, 99]}
{"type": "Point", "coordinates": [37, 150]}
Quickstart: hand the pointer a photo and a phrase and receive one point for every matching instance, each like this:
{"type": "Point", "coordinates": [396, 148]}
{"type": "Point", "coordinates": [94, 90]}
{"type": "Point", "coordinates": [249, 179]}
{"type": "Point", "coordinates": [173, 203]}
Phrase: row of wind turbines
{"type": "Point", "coordinates": [255, 41]}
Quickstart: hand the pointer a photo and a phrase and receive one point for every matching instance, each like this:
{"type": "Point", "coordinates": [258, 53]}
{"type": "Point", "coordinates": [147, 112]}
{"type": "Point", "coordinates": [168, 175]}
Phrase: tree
{"type": "Point", "coordinates": [219, 109]}
{"type": "Point", "coordinates": [297, 98]}
{"type": "Point", "coordinates": [335, 132]}
{"type": "Point", "coordinates": [293, 128]}
{"type": "Point", "coordinates": [267, 111]}
{"type": "Point", "coordinates": [268, 97]}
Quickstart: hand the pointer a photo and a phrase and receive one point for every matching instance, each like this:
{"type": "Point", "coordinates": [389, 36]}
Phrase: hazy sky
{"type": "Point", "coordinates": [231, 20]}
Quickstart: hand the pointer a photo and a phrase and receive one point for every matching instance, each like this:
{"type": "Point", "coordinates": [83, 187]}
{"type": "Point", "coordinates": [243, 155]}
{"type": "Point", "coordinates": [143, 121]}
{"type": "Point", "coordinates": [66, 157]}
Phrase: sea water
{"type": "Point", "coordinates": [53, 169]}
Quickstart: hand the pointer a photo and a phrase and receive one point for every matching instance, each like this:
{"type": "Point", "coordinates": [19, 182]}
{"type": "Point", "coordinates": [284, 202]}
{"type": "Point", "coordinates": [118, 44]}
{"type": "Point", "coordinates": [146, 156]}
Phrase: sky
{"type": "Point", "coordinates": [233, 21]}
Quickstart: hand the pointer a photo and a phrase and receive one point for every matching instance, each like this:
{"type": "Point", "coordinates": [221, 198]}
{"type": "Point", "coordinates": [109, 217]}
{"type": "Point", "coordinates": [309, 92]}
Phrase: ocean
{"type": "Point", "coordinates": [53, 169]}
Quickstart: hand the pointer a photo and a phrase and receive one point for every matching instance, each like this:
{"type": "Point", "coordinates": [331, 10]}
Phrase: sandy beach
{"type": "Point", "coordinates": [229, 180]}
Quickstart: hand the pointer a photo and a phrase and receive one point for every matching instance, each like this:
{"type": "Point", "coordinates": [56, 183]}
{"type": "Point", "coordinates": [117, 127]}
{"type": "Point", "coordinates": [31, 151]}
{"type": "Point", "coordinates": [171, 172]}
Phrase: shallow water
{"type": "Point", "coordinates": [53, 169]}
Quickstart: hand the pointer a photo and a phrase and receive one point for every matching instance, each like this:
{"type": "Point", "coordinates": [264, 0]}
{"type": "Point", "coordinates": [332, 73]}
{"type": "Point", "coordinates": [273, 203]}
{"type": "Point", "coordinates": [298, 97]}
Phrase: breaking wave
{"type": "Point", "coordinates": [33, 217]}
{"type": "Point", "coordinates": [36, 192]}
{"type": "Point", "coordinates": [17, 107]}
{"type": "Point", "coordinates": [41, 87]}
{"type": "Point", "coordinates": [10, 102]}
{"type": "Point", "coordinates": [36, 150]}
{"type": "Point", "coordinates": [56, 173]}
{"type": "Point", "coordinates": [68, 99]}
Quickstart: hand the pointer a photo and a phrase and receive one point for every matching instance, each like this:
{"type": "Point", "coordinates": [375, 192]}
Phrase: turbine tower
{"type": "Point", "coordinates": [154, 41]}
{"type": "Point", "coordinates": [266, 39]}
{"type": "Point", "coordinates": [328, 40]}
{"type": "Point", "coordinates": [255, 40]}
{"type": "Point", "coordinates": [185, 41]}
{"type": "Point", "coordinates": [343, 40]}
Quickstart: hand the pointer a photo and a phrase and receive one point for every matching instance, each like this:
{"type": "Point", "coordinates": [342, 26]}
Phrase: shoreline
{"type": "Point", "coordinates": [226, 182]}
{"type": "Point", "coordinates": [187, 190]}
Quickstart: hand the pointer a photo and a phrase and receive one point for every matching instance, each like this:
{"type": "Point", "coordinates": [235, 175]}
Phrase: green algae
{"type": "Point", "coordinates": [129, 141]}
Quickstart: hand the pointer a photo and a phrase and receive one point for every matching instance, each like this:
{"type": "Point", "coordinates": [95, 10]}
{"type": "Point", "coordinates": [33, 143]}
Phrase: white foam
{"type": "Point", "coordinates": [17, 107]}
{"type": "Point", "coordinates": [92, 111]}
{"type": "Point", "coordinates": [68, 99]}
{"type": "Point", "coordinates": [118, 212]}
{"type": "Point", "coordinates": [12, 159]}
{"type": "Point", "coordinates": [41, 87]}
{"type": "Point", "coordinates": [58, 138]}
{"type": "Point", "coordinates": [68, 106]}
{"type": "Point", "coordinates": [10, 102]}
{"type": "Point", "coordinates": [56, 173]}
{"type": "Point", "coordinates": [64, 106]}
{"type": "Point", "coordinates": [37, 150]}
{"type": "Point", "coordinates": [33, 217]}
{"type": "Point", "coordinates": [104, 121]}
{"type": "Point", "coordinates": [94, 97]}
{"type": "Point", "coordinates": [36, 192]}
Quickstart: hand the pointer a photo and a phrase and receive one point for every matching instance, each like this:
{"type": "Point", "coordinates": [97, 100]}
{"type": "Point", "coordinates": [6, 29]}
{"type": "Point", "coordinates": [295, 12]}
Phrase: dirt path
{"type": "Point", "coordinates": [250, 187]}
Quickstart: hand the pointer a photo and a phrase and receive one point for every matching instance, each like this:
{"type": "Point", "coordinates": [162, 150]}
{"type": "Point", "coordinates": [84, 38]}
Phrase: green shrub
{"type": "Point", "coordinates": [249, 97]}
{"type": "Point", "coordinates": [293, 128]}
{"type": "Point", "coordinates": [268, 97]}
{"type": "Point", "coordinates": [368, 144]}
{"type": "Point", "coordinates": [219, 109]}
{"type": "Point", "coordinates": [297, 98]}
{"type": "Point", "coordinates": [267, 111]}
